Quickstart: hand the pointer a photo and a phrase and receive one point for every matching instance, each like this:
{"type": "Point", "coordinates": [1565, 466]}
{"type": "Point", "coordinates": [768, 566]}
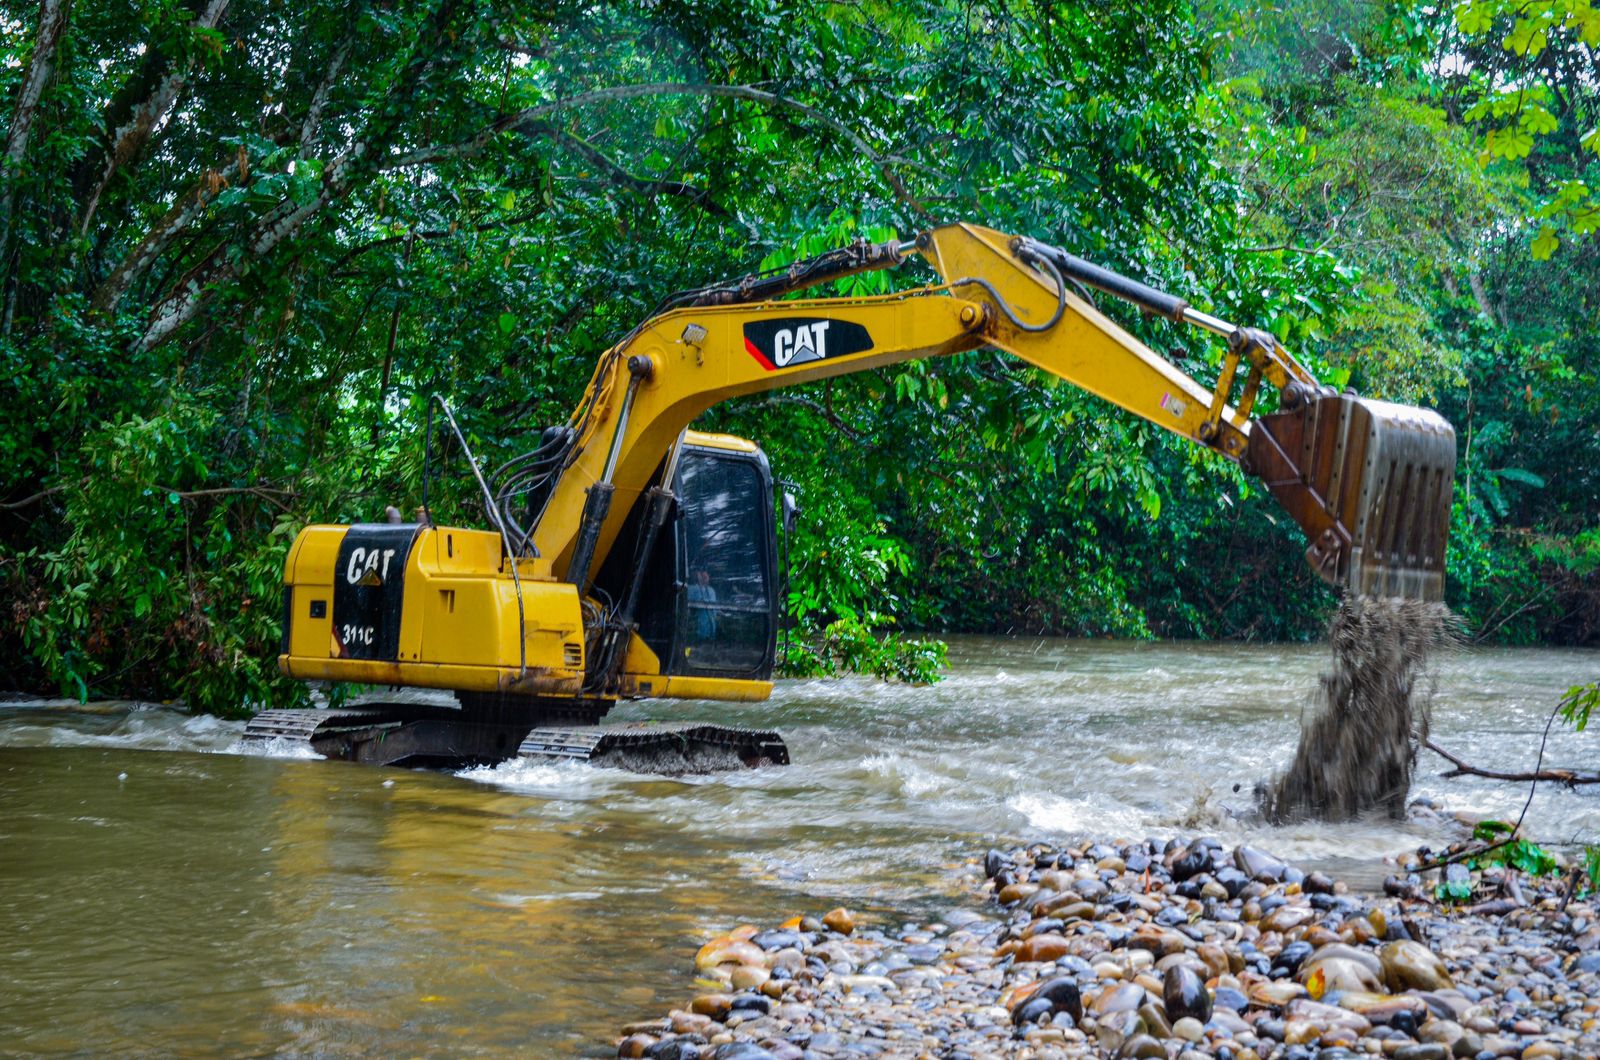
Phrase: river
{"type": "Point", "coordinates": [166, 893]}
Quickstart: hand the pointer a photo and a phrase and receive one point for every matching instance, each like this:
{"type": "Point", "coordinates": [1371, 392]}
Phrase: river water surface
{"type": "Point", "coordinates": [163, 893]}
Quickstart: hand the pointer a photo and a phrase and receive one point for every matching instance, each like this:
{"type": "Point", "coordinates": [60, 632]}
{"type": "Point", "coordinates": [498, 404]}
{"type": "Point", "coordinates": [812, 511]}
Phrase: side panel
{"type": "Point", "coordinates": [442, 614]}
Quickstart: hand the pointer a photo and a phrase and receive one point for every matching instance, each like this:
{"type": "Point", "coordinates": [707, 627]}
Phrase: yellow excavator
{"type": "Point", "coordinates": [628, 556]}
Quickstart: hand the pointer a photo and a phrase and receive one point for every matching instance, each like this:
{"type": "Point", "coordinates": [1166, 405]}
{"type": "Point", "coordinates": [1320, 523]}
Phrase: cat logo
{"type": "Point", "coordinates": [793, 341]}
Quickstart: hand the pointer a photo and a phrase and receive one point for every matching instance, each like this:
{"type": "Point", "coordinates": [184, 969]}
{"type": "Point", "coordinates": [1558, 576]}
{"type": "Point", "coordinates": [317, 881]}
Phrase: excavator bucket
{"type": "Point", "coordinates": [1370, 484]}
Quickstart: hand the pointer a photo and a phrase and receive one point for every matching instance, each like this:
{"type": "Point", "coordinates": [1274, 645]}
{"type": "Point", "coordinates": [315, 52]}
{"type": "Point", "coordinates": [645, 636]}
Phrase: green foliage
{"type": "Point", "coordinates": [1500, 848]}
{"type": "Point", "coordinates": [1578, 704]}
{"type": "Point", "coordinates": [1519, 854]}
{"type": "Point", "coordinates": [222, 325]}
{"type": "Point", "coordinates": [866, 646]}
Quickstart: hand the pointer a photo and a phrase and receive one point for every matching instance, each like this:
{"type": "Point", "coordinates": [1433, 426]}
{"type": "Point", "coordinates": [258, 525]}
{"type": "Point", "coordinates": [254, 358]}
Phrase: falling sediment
{"type": "Point", "coordinates": [1359, 744]}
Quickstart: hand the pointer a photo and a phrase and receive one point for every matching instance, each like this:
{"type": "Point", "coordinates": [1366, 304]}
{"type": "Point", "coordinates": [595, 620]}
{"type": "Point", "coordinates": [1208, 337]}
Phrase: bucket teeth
{"type": "Point", "coordinates": [1370, 482]}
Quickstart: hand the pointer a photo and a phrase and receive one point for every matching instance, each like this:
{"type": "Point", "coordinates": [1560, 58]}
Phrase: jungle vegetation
{"type": "Point", "coordinates": [242, 241]}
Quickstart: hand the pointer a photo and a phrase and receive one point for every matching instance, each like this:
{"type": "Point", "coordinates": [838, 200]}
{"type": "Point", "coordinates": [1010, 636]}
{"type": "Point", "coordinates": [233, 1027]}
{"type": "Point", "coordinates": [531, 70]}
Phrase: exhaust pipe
{"type": "Point", "coordinates": [1370, 483]}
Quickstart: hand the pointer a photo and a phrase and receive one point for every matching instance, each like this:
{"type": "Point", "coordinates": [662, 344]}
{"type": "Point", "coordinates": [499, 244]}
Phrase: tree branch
{"type": "Point", "coordinates": [282, 221]}
{"type": "Point", "coordinates": [30, 499]}
{"type": "Point", "coordinates": [532, 116]}
{"type": "Point", "coordinates": [190, 205]}
{"type": "Point", "coordinates": [1570, 777]}
{"type": "Point", "coordinates": [319, 98]}
{"type": "Point", "coordinates": [643, 185]}
{"type": "Point", "coordinates": [129, 123]}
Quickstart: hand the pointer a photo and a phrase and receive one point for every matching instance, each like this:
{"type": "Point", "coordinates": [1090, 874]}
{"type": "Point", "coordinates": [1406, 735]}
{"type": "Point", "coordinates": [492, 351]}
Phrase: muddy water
{"type": "Point", "coordinates": [162, 893]}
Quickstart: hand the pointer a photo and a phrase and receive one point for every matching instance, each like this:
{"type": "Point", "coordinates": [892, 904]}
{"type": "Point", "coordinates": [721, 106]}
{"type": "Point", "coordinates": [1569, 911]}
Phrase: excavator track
{"type": "Point", "coordinates": [411, 734]}
{"type": "Point", "coordinates": [403, 734]}
{"type": "Point", "coordinates": [659, 747]}
{"type": "Point", "coordinates": [299, 726]}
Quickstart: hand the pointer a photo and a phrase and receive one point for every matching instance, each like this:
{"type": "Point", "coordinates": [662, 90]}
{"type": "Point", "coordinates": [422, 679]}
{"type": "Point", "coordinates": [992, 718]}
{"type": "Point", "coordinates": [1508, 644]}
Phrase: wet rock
{"type": "Point", "coordinates": [745, 977]}
{"type": "Point", "coordinates": [778, 940]}
{"type": "Point", "coordinates": [1407, 887]}
{"type": "Point", "coordinates": [1422, 1051]}
{"type": "Point", "coordinates": [1043, 948]}
{"type": "Point", "coordinates": [1010, 894]}
{"type": "Point", "coordinates": [1189, 1029]}
{"type": "Point", "coordinates": [729, 951]}
{"type": "Point", "coordinates": [1317, 883]}
{"type": "Point", "coordinates": [994, 862]}
{"type": "Point", "coordinates": [1229, 998]}
{"type": "Point", "coordinates": [1063, 995]}
{"type": "Point", "coordinates": [634, 1046]}
{"type": "Point", "coordinates": [1289, 959]}
{"type": "Point", "coordinates": [1343, 952]}
{"type": "Point", "coordinates": [1142, 1045]}
{"type": "Point", "coordinates": [1032, 1011]}
{"type": "Point", "coordinates": [1126, 997]}
{"type": "Point", "coordinates": [747, 1002]}
{"type": "Point", "coordinates": [676, 1049]}
{"type": "Point", "coordinates": [1334, 975]}
{"type": "Point", "coordinates": [714, 1005]}
{"type": "Point", "coordinates": [1258, 864]}
{"type": "Point", "coordinates": [742, 1051]}
{"type": "Point", "coordinates": [840, 920]}
{"type": "Point", "coordinates": [1412, 966]}
{"type": "Point", "coordinates": [1191, 863]}
{"type": "Point", "coordinates": [1184, 995]}
{"type": "Point", "coordinates": [1275, 994]}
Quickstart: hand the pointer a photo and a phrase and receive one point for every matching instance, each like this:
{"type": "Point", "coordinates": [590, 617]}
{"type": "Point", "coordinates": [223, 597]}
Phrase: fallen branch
{"type": "Point", "coordinates": [1569, 777]}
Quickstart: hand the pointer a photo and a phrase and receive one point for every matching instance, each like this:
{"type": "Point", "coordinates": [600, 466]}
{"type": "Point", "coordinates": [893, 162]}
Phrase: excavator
{"type": "Point", "coordinates": [628, 556]}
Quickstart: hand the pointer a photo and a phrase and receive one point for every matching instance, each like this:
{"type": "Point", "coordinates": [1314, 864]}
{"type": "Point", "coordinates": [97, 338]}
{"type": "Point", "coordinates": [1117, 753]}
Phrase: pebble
{"type": "Point", "coordinates": [1171, 950]}
{"type": "Point", "coordinates": [839, 920]}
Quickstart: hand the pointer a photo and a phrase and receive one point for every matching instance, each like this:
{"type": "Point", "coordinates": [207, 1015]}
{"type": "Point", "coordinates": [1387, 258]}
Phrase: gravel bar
{"type": "Point", "coordinates": [1176, 949]}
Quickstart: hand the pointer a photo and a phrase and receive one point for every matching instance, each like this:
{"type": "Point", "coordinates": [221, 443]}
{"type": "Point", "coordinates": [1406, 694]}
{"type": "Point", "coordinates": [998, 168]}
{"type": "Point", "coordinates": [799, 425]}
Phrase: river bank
{"type": "Point", "coordinates": [1177, 949]}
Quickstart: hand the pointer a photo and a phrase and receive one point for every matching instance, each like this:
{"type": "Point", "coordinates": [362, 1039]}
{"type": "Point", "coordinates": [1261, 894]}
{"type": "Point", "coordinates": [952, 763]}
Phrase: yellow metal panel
{"type": "Point", "coordinates": [717, 688]}
{"type": "Point", "coordinates": [315, 554]}
{"type": "Point", "coordinates": [730, 442]}
{"type": "Point", "coordinates": [433, 675]}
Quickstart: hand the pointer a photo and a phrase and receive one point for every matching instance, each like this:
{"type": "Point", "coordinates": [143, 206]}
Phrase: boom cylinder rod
{"type": "Point", "coordinates": [1115, 284]}
{"type": "Point", "coordinates": [598, 503]}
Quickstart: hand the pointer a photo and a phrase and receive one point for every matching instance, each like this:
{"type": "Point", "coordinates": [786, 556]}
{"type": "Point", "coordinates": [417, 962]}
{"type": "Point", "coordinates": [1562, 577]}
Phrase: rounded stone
{"type": "Point", "coordinates": [1336, 975]}
{"type": "Point", "coordinates": [1185, 995]}
{"type": "Point", "coordinates": [1063, 995]}
{"type": "Point", "coordinates": [1143, 1045]}
{"type": "Point", "coordinates": [1125, 997]}
{"type": "Point", "coordinates": [839, 920]}
{"type": "Point", "coordinates": [1189, 1029]}
{"type": "Point", "coordinates": [1032, 1011]}
{"type": "Point", "coordinates": [1412, 966]}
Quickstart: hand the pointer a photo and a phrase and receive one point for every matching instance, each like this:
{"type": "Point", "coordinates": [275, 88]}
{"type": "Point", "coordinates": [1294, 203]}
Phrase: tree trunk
{"type": "Point", "coordinates": [52, 20]}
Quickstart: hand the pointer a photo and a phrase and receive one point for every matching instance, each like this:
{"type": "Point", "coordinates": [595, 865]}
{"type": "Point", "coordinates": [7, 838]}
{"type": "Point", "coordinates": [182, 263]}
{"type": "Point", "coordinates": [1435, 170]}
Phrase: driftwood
{"type": "Point", "coordinates": [1570, 777]}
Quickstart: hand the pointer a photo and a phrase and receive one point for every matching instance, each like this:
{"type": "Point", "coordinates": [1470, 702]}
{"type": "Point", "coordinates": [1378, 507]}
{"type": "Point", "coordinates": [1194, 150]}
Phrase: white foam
{"type": "Point", "coordinates": [527, 774]}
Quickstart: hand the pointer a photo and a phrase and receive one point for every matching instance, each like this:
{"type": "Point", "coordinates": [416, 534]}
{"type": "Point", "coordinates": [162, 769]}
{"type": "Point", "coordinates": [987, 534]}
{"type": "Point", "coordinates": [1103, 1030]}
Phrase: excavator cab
{"type": "Point", "coordinates": [710, 605]}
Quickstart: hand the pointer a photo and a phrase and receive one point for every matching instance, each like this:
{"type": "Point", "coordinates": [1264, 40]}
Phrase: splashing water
{"type": "Point", "coordinates": [1358, 748]}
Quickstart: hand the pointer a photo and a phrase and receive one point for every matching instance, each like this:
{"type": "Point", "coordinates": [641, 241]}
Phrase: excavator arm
{"type": "Point", "coordinates": [1368, 481]}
